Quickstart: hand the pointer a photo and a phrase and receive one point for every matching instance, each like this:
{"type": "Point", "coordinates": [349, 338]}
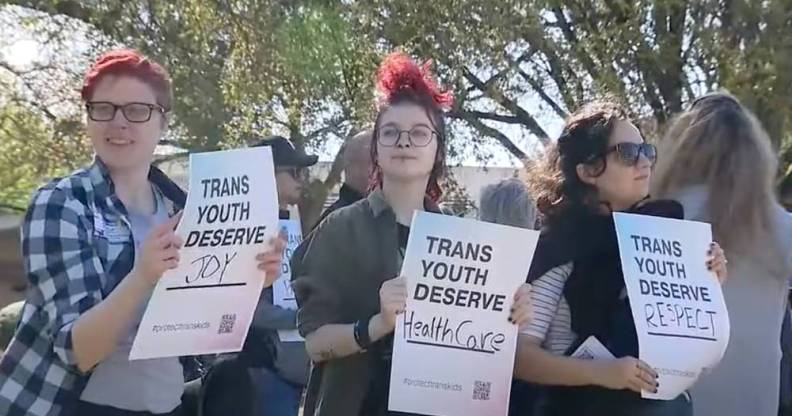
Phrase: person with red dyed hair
{"type": "Point", "coordinates": [95, 243]}
{"type": "Point", "coordinates": [345, 271]}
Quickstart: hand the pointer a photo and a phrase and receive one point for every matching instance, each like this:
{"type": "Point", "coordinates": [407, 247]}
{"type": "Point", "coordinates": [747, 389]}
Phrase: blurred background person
{"type": "Point", "coordinates": [718, 162]}
{"type": "Point", "coordinates": [508, 202]}
{"type": "Point", "coordinates": [357, 170]}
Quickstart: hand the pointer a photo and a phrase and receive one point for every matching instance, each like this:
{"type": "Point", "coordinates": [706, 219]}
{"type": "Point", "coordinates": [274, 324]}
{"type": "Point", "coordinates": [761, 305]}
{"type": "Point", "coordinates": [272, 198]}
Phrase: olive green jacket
{"type": "Point", "coordinates": [337, 272]}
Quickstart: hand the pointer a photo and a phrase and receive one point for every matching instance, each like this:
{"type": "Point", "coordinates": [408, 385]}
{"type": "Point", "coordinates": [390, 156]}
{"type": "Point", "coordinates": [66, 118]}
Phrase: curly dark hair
{"type": "Point", "coordinates": [554, 181]}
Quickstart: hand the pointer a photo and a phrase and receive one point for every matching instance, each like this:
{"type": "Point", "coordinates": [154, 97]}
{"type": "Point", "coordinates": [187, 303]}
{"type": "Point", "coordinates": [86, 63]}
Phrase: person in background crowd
{"type": "Point", "coordinates": [721, 167]}
{"type": "Point", "coordinates": [283, 373]}
{"type": "Point", "coordinates": [357, 168]}
{"type": "Point", "coordinates": [344, 272]}
{"type": "Point", "coordinates": [268, 376]}
{"type": "Point", "coordinates": [508, 202]}
{"type": "Point", "coordinates": [599, 165]}
{"type": "Point", "coordinates": [95, 243]}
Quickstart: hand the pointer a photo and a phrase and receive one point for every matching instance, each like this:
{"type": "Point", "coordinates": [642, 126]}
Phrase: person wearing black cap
{"type": "Point", "coordinates": [267, 377]}
{"type": "Point", "coordinates": [279, 369]}
{"type": "Point", "coordinates": [291, 171]}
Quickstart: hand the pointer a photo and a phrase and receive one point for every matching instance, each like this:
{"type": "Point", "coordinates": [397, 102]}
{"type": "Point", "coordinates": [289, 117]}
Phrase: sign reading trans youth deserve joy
{"type": "Point", "coordinates": [677, 304]}
{"type": "Point", "coordinates": [205, 306]}
{"type": "Point", "coordinates": [453, 348]}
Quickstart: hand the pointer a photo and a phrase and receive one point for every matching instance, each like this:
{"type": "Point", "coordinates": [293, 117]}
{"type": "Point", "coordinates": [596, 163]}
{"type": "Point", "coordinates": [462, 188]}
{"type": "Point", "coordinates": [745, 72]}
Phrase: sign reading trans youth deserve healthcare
{"type": "Point", "coordinates": [453, 348]}
{"type": "Point", "coordinates": [282, 293]}
{"type": "Point", "coordinates": [206, 304]}
{"type": "Point", "coordinates": [677, 304]}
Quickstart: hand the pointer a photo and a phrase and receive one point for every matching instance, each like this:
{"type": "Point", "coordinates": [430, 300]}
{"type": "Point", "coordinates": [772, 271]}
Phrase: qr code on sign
{"type": "Point", "coordinates": [227, 323]}
{"type": "Point", "coordinates": [481, 390]}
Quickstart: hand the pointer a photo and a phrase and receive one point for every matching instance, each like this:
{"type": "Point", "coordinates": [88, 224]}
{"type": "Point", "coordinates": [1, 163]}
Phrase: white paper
{"type": "Point", "coordinates": [458, 360]}
{"type": "Point", "coordinates": [592, 349]}
{"type": "Point", "coordinates": [205, 306]}
{"type": "Point", "coordinates": [677, 304]}
{"type": "Point", "coordinates": [282, 293]}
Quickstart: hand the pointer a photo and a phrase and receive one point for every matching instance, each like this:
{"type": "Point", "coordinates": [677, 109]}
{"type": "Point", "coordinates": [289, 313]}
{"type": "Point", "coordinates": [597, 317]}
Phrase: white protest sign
{"type": "Point", "coordinates": [592, 349]}
{"type": "Point", "coordinates": [454, 347]}
{"type": "Point", "coordinates": [677, 304]}
{"type": "Point", "coordinates": [205, 306]}
{"type": "Point", "coordinates": [282, 293]}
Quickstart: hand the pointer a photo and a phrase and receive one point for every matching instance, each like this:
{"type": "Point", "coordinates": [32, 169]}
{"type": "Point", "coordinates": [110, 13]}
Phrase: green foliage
{"type": "Point", "coordinates": [304, 68]}
{"type": "Point", "coordinates": [32, 151]}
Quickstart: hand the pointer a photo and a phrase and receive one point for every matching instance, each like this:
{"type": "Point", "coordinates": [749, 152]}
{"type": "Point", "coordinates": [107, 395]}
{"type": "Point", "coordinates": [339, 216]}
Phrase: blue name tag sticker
{"type": "Point", "coordinates": [116, 232]}
{"type": "Point", "coordinates": [99, 225]}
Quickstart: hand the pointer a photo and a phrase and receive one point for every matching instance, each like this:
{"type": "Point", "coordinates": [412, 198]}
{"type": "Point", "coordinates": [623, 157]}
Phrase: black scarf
{"type": "Point", "coordinates": [594, 291]}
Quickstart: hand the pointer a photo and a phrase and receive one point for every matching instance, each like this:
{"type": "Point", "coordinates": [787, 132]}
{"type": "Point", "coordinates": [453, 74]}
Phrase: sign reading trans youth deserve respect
{"type": "Point", "coordinates": [453, 348]}
{"type": "Point", "coordinates": [206, 304]}
{"type": "Point", "coordinates": [677, 304]}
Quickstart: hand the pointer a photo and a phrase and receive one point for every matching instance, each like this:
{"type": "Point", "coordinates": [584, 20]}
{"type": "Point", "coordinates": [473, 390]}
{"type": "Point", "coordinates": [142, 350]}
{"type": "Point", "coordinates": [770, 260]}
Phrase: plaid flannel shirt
{"type": "Point", "coordinates": [76, 240]}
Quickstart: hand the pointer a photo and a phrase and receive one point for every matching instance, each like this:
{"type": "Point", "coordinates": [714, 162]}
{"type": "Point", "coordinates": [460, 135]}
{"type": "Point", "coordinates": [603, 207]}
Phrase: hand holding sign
{"type": "Point", "coordinates": [160, 251]}
{"type": "Point", "coordinates": [393, 300]}
{"type": "Point", "coordinates": [626, 373]}
{"type": "Point", "coordinates": [464, 295]}
{"type": "Point", "coordinates": [270, 261]}
{"type": "Point", "coordinates": [678, 308]}
{"type": "Point", "coordinates": [207, 289]}
{"type": "Point", "coordinates": [716, 262]}
{"type": "Point", "coordinates": [522, 310]}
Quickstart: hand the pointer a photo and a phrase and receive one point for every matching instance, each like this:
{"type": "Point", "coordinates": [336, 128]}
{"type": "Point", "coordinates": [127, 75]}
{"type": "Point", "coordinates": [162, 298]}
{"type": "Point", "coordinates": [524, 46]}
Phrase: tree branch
{"type": "Point", "coordinates": [526, 119]}
{"type": "Point", "coordinates": [538, 88]}
{"type": "Point", "coordinates": [502, 118]}
{"type": "Point", "coordinates": [493, 133]}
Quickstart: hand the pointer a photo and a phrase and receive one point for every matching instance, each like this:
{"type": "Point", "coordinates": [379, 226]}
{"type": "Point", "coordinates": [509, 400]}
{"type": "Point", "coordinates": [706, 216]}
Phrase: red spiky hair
{"type": "Point", "coordinates": [399, 74]}
{"type": "Point", "coordinates": [399, 77]}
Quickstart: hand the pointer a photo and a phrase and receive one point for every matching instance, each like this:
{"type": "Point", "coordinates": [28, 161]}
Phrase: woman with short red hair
{"type": "Point", "coordinates": [95, 243]}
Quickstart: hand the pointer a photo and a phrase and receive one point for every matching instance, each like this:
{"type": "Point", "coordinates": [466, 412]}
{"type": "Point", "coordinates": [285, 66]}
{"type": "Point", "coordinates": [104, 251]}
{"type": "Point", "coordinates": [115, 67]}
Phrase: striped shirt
{"type": "Point", "coordinates": [552, 323]}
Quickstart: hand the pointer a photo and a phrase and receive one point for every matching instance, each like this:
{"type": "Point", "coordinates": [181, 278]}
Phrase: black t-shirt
{"type": "Point", "coordinates": [404, 235]}
{"type": "Point", "coordinates": [376, 402]}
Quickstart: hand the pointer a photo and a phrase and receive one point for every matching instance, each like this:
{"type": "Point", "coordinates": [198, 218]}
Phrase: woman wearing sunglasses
{"type": "Point", "coordinates": [599, 165]}
{"type": "Point", "coordinates": [346, 269]}
{"type": "Point", "coordinates": [95, 243]}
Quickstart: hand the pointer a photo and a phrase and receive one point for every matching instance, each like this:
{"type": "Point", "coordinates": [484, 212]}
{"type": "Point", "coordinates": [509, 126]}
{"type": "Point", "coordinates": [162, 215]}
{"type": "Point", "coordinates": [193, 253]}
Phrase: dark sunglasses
{"type": "Point", "coordinates": [297, 174]}
{"type": "Point", "coordinates": [629, 153]}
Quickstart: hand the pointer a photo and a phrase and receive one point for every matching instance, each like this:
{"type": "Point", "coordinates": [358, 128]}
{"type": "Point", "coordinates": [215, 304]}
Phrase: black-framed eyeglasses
{"type": "Point", "coordinates": [297, 173]}
{"type": "Point", "coordinates": [418, 136]}
{"type": "Point", "coordinates": [628, 153]}
{"type": "Point", "coordinates": [133, 112]}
